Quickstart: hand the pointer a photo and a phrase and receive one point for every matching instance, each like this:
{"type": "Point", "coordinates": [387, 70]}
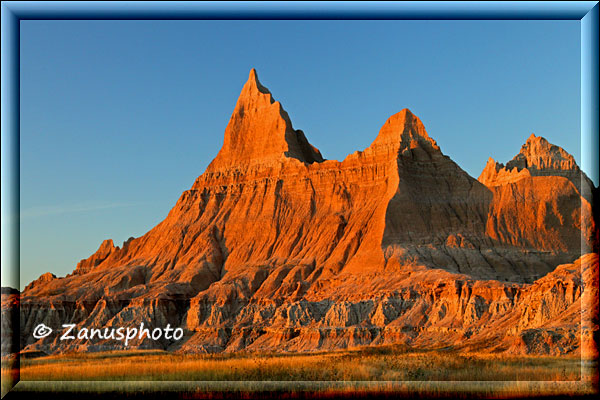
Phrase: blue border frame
{"type": "Point", "coordinates": [12, 12]}
{"type": "Point", "coordinates": [379, 10]}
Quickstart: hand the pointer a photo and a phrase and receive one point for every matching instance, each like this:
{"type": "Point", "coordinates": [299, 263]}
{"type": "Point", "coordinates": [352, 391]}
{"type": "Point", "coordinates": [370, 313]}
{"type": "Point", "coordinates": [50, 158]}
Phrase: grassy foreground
{"type": "Point", "coordinates": [387, 363]}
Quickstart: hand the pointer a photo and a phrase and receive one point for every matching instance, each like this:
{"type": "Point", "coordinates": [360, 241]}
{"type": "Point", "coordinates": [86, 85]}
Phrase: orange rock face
{"type": "Point", "coordinates": [260, 131]}
{"type": "Point", "coordinates": [275, 248]}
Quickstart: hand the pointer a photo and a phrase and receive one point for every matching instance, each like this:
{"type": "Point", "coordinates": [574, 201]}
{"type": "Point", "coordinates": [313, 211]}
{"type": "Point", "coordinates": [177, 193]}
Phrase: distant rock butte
{"type": "Point", "coordinates": [276, 249]}
{"type": "Point", "coordinates": [537, 157]}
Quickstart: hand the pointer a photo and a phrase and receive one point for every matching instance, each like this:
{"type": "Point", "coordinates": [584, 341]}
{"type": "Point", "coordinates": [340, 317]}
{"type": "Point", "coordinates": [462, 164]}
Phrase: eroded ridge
{"type": "Point", "coordinates": [275, 248]}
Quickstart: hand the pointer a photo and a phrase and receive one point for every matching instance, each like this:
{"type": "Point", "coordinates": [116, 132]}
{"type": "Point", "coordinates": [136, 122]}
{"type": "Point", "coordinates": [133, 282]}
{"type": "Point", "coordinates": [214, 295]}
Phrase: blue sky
{"type": "Point", "coordinates": [119, 117]}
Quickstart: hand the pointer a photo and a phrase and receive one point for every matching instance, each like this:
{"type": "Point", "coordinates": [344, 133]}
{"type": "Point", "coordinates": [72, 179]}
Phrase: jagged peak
{"type": "Point", "coordinates": [491, 166]}
{"type": "Point", "coordinates": [539, 154]}
{"type": "Point", "coordinates": [493, 163]}
{"type": "Point", "coordinates": [253, 79]}
{"type": "Point", "coordinates": [254, 93]}
{"type": "Point", "coordinates": [405, 130]}
{"type": "Point", "coordinates": [260, 131]}
{"type": "Point", "coordinates": [534, 140]}
{"type": "Point", "coordinates": [537, 157]}
{"type": "Point", "coordinates": [495, 173]}
{"type": "Point", "coordinates": [107, 247]}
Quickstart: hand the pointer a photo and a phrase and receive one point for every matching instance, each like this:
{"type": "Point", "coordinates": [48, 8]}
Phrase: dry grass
{"type": "Point", "coordinates": [10, 373]}
{"type": "Point", "coordinates": [388, 363]}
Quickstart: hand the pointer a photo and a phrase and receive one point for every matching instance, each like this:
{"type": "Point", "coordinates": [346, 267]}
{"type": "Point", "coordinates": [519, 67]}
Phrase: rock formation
{"type": "Point", "coordinates": [10, 322]}
{"type": "Point", "coordinates": [275, 248]}
{"type": "Point", "coordinates": [537, 157]}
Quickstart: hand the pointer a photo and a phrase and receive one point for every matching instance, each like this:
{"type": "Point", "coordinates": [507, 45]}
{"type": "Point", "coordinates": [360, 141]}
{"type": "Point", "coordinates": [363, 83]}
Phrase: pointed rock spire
{"type": "Point", "coordinates": [490, 172]}
{"type": "Point", "coordinates": [260, 131]}
{"type": "Point", "coordinates": [404, 133]}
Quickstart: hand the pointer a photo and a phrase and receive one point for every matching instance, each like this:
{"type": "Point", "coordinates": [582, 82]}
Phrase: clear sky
{"type": "Point", "coordinates": [119, 117]}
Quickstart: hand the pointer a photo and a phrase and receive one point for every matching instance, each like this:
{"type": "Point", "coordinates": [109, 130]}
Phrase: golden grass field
{"type": "Point", "coordinates": [389, 363]}
{"type": "Point", "coordinates": [376, 364]}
